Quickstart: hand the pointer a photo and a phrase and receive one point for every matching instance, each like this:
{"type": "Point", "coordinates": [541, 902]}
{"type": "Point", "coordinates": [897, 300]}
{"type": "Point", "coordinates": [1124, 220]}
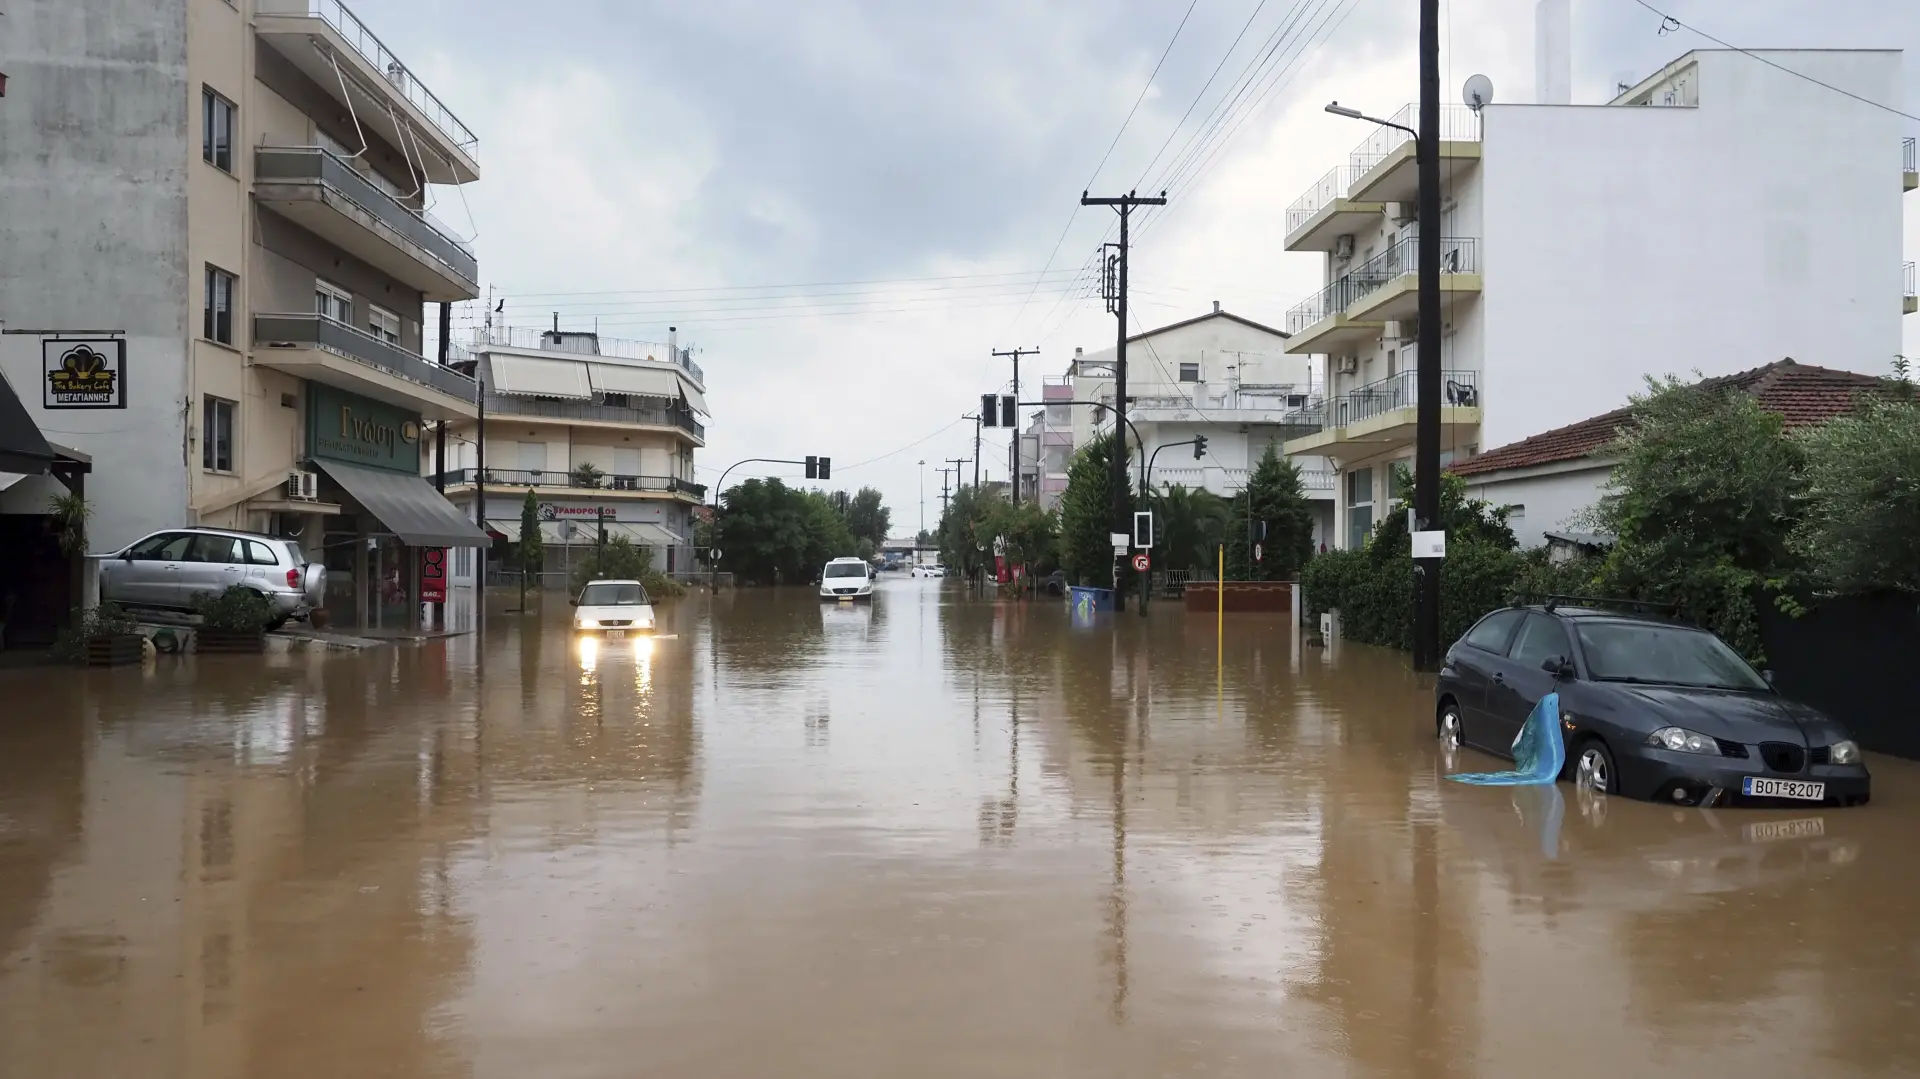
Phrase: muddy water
{"type": "Point", "coordinates": [929, 838]}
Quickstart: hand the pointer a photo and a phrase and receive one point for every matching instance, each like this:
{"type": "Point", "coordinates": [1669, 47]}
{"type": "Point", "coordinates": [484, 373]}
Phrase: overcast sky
{"type": "Point", "coordinates": [913, 166]}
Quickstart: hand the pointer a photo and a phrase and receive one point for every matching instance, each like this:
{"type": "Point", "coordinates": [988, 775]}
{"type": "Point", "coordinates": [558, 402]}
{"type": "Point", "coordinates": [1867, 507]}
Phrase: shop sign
{"type": "Point", "coordinates": [433, 574]}
{"type": "Point", "coordinates": [344, 426]}
{"type": "Point", "coordinates": [88, 373]}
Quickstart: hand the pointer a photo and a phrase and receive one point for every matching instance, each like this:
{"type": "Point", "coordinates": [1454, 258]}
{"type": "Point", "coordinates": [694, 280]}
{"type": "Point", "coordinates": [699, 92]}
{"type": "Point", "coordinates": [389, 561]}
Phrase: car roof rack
{"type": "Point", "coordinates": [1602, 602]}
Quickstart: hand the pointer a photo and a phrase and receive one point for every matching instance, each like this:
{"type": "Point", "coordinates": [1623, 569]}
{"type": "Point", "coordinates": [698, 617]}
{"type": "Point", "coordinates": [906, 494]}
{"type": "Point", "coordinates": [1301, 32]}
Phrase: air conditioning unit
{"type": "Point", "coordinates": [1348, 365]}
{"type": "Point", "coordinates": [1343, 246]}
{"type": "Point", "coordinates": [303, 486]}
{"type": "Point", "coordinates": [1401, 212]}
{"type": "Point", "coordinates": [1392, 330]}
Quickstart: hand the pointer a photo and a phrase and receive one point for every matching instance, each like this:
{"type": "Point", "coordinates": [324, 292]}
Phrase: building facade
{"type": "Point", "coordinates": [1219, 375]}
{"type": "Point", "coordinates": [602, 431]}
{"type": "Point", "coordinates": [1717, 215]}
{"type": "Point", "coordinates": [222, 205]}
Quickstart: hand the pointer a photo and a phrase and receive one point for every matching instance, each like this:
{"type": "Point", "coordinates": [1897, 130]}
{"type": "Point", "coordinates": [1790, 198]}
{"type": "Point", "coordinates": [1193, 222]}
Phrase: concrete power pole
{"type": "Point", "coordinates": [1426, 439]}
{"type": "Point", "coordinates": [975, 417]}
{"type": "Point", "coordinates": [1014, 448]}
{"type": "Point", "coordinates": [1122, 504]}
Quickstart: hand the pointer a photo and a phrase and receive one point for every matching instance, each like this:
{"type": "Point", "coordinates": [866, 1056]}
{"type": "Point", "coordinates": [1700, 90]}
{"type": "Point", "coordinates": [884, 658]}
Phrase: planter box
{"type": "Point", "coordinates": [229, 642]}
{"type": "Point", "coordinates": [1270, 596]}
{"type": "Point", "coordinates": [115, 650]}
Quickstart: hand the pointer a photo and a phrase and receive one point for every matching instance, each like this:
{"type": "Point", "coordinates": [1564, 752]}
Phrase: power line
{"type": "Point", "coordinates": [1669, 22]}
{"type": "Point", "coordinates": [903, 449]}
{"type": "Point", "coordinates": [1224, 57]}
{"type": "Point", "coordinates": [735, 288]}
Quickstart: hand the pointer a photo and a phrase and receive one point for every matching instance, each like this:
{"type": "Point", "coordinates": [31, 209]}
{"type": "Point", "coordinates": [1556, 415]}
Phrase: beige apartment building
{"type": "Point", "coordinates": [228, 200]}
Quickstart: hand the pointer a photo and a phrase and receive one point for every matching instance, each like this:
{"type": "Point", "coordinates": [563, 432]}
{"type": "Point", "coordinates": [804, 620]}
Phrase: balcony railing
{"type": "Point", "coordinates": [355, 344]}
{"type": "Point", "coordinates": [1459, 389]}
{"type": "Point", "coordinates": [1311, 479]}
{"type": "Point", "coordinates": [554, 409]}
{"type": "Point", "coordinates": [1458, 254]}
{"type": "Point", "coordinates": [1458, 123]}
{"type": "Point", "coordinates": [312, 164]}
{"type": "Point", "coordinates": [373, 51]}
{"type": "Point", "coordinates": [1909, 156]}
{"type": "Point", "coordinates": [592, 344]}
{"type": "Point", "coordinates": [1322, 194]}
{"type": "Point", "coordinates": [1906, 273]}
{"type": "Point", "coordinates": [529, 477]}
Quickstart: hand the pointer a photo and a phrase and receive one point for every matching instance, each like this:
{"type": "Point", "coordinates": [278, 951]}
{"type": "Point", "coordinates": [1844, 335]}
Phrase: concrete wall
{"type": "Point", "coordinates": [1627, 241]}
{"type": "Point", "coordinates": [94, 157]}
{"type": "Point", "coordinates": [1544, 499]}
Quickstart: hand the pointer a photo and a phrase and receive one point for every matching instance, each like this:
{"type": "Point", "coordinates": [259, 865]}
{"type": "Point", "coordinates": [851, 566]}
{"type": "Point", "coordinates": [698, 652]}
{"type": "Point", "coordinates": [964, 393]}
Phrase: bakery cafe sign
{"type": "Point", "coordinates": [88, 373]}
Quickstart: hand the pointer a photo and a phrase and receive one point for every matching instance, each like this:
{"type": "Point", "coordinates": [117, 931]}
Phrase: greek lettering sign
{"type": "Point", "coordinates": [84, 373]}
{"type": "Point", "coordinates": [344, 426]}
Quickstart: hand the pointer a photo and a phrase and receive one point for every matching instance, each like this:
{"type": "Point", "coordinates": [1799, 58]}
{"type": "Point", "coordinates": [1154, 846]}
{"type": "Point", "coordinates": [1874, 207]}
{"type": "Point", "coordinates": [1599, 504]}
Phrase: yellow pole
{"type": "Point", "coordinates": [1220, 627]}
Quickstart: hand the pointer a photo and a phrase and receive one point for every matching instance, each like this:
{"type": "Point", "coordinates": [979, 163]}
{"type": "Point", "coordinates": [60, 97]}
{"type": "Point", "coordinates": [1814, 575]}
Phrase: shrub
{"type": "Point", "coordinates": [1863, 472]}
{"type": "Point", "coordinates": [239, 609]}
{"type": "Point", "coordinates": [620, 560]}
{"type": "Point", "coordinates": [106, 620]}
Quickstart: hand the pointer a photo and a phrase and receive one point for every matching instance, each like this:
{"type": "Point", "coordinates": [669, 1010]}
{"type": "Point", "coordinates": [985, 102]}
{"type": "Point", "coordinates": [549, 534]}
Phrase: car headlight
{"type": "Point", "coordinates": [1682, 740]}
{"type": "Point", "coordinates": [1844, 752]}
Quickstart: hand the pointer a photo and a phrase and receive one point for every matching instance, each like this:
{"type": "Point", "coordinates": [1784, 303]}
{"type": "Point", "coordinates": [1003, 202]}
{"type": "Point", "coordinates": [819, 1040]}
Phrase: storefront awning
{"type": "Point", "coordinates": [694, 400]}
{"type": "Point", "coordinates": [409, 507]}
{"type": "Point", "coordinates": [531, 377]}
{"type": "Point", "coordinates": [22, 448]}
{"type": "Point", "coordinates": [586, 532]}
{"type": "Point", "coordinates": [638, 381]}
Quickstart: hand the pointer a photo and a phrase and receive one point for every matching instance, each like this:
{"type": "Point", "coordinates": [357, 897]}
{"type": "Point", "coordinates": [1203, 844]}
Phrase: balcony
{"type": "Point", "coordinates": [1317, 219]}
{"type": "Point", "coordinates": [329, 198]}
{"type": "Point", "coordinates": [1237, 408]}
{"type": "Point", "coordinates": [1379, 417]}
{"type": "Point", "coordinates": [672, 486]}
{"type": "Point", "coordinates": [1909, 302]}
{"type": "Point", "coordinates": [1383, 166]}
{"type": "Point", "coordinates": [336, 354]}
{"type": "Point", "coordinates": [593, 344]}
{"type": "Point", "coordinates": [331, 46]}
{"type": "Point", "coordinates": [553, 408]}
{"type": "Point", "coordinates": [1316, 482]}
{"type": "Point", "coordinates": [1909, 165]}
{"type": "Point", "coordinates": [1355, 309]}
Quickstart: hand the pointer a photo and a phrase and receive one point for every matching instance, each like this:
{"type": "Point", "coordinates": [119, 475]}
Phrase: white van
{"type": "Point", "coordinates": [613, 609]}
{"type": "Point", "coordinates": [846, 578]}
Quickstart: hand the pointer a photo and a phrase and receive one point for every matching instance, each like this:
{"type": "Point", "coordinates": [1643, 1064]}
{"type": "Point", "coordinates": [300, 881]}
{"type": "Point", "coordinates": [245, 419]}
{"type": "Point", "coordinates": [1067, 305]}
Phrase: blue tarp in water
{"type": "Point", "coordinates": [1538, 753]}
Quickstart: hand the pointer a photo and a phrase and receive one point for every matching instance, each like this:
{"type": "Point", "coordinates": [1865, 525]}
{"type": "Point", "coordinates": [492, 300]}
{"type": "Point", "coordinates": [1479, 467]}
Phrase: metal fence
{"type": "Point", "coordinates": [314, 164]}
{"type": "Point", "coordinates": [1909, 156]}
{"type": "Point", "coordinates": [1458, 123]}
{"type": "Point", "coordinates": [369, 46]}
{"type": "Point", "coordinates": [1322, 194]}
{"type": "Point", "coordinates": [617, 347]}
{"type": "Point", "coordinates": [1460, 389]}
{"type": "Point", "coordinates": [527, 477]}
{"type": "Point", "coordinates": [556, 409]}
{"type": "Point", "coordinates": [357, 344]}
{"type": "Point", "coordinates": [1458, 254]}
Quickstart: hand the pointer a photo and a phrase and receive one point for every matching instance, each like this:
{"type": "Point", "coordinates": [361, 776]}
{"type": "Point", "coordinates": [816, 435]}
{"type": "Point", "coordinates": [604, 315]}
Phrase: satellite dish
{"type": "Point", "coordinates": [1478, 92]}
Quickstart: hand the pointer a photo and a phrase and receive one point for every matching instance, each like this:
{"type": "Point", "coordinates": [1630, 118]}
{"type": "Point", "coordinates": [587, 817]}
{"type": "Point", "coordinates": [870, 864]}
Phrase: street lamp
{"type": "Point", "coordinates": [1338, 109]}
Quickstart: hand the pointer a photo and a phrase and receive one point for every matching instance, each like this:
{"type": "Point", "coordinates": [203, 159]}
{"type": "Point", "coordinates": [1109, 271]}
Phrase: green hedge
{"type": "Point", "coordinates": [1375, 594]}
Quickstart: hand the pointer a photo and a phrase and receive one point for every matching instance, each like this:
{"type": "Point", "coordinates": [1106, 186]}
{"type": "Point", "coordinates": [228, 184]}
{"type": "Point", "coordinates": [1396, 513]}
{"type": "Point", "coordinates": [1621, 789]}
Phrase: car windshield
{"type": "Point", "coordinates": [612, 595]}
{"type": "Point", "coordinates": [1663, 655]}
{"type": "Point", "coordinates": [846, 569]}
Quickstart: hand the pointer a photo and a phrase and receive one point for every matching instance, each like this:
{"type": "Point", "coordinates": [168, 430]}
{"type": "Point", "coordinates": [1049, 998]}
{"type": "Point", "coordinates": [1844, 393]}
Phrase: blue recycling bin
{"type": "Point", "coordinates": [1085, 603]}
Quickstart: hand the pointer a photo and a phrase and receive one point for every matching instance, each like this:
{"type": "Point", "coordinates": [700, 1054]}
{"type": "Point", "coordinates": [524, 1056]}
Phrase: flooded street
{"type": "Point", "coordinates": [930, 837]}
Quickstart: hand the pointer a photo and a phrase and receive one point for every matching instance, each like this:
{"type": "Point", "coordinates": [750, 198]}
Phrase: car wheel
{"type": "Point", "coordinates": [274, 626]}
{"type": "Point", "coordinates": [1593, 768]}
{"type": "Point", "coordinates": [1448, 726]}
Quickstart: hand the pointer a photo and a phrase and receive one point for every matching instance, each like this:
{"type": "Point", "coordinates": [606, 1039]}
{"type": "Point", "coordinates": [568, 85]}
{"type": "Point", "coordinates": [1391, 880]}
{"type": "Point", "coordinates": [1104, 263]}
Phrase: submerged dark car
{"type": "Point", "coordinates": [1649, 708]}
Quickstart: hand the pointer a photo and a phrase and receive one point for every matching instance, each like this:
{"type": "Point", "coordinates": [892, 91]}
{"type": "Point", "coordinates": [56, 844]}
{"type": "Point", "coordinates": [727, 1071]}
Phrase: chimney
{"type": "Point", "coordinates": [1553, 52]}
{"type": "Point", "coordinates": [1216, 307]}
{"type": "Point", "coordinates": [673, 344]}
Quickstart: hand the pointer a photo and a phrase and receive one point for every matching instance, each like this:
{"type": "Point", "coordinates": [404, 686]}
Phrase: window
{"type": "Point", "coordinates": [216, 435]}
{"type": "Point", "coordinates": [216, 130]}
{"type": "Point", "coordinates": [1671, 655]}
{"type": "Point", "coordinates": [615, 595]}
{"type": "Point", "coordinates": [616, 400]}
{"type": "Point", "coordinates": [1493, 632]}
{"type": "Point", "coordinates": [224, 550]}
{"type": "Point", "coordinates": [533, 456]}
{"type": "Point", "coordinates": [1057, 459]}
{"type": "Point", "coordinates": [219, 321]}
{"type": "Point", "coordinates": [332, 301]}
{"type": "Point", "coordinates": [383, 324]}
{"type": "Point", "coordinates": [260, 554]}
{"type": "Point", "coordinates": [1391, 369]}
{"type": "Point", "coordinates": [165, 547]}
{"type": "Point", "coordinates": [1189, 372]}
{"type": "Point", "coordinates": [1541, 639]}
{"type": "Point", "coordinates": [1359, 507]}
{"type": "Point", "coordinates": [1059, 416]}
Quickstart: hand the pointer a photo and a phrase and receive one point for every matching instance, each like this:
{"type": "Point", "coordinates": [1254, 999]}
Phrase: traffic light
{"type": "Point", "coordinates": [1008, 410]}
{"type": "Point", "coordinates": [1199, 446]}
{"type": "Point", "coordinates": [813, 467]}
{"type": "Point", "coordinates": [989, 412]}
{"type": "Point", "coordinates": [826, 468]}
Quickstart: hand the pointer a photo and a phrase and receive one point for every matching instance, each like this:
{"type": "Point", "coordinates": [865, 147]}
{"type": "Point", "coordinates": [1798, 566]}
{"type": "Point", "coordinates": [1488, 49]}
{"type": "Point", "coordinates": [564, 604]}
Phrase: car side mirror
{"type": "Point", "coordinates": [572, 602]}
{"type": "Point", "coordinates": [1557, 666]}
{"type": "Point", "coordinates": [1768, 675]}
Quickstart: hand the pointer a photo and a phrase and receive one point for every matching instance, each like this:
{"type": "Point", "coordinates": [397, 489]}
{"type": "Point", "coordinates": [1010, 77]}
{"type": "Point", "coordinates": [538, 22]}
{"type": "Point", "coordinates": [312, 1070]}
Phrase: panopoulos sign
{"type": "Point", "coordinates": [343, 426]}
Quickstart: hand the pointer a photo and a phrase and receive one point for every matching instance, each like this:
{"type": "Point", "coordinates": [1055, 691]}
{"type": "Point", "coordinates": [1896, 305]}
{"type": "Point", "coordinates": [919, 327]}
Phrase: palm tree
{"type": "Point", "coordinates": [1191, 522]}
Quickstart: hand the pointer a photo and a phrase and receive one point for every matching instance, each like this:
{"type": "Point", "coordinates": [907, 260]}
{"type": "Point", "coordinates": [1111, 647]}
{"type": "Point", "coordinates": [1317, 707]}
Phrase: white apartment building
{"type": "Point", "coordinates": [602, 431]}
{"type": "Point", "coordinates": [1219, 375]}
{"type": "Point", "coordinates": [224, 202]}
{"type": "Point", "coordinates": [1716, 217]}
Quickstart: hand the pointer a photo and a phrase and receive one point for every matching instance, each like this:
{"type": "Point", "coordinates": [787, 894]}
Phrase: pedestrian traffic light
{"type": "Point", "coordinates": [1008, 406]}
{"type": "Point", "coordinates": [989, 412]}
{"type": "Point", "coordinates": [826, 468]}
{"type": "Point", "coordinates": [813, 467]}
{"type": "Point", "coordinates": [1199, 446]}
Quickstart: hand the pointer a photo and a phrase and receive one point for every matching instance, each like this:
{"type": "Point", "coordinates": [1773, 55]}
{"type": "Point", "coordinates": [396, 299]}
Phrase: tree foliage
{"type": "Point", "coordinates": [1273, 494]}
{"type": "Point", "coordinates": [1189, 523]}
{"type": "Point", "coordinates": [1086, 515]}
{"type": "Point", "coordinates": [619, 560]}
{"type": "Point", "coordinates": [868, 517]}
{"type": "Point", "coordinates": [529, 552]}
{"type": "Point", "coordinates": [769, 533]}
{"type": "Point", "coordinates": [1861, 528]}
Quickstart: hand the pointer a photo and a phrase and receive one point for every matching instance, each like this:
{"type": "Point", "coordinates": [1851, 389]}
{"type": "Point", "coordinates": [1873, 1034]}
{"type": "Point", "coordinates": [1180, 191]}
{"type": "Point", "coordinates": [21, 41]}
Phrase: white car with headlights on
{"type": "Point", "coordinates": [613, 609]}
{"type": "Point", "coordinates": [846, 579]}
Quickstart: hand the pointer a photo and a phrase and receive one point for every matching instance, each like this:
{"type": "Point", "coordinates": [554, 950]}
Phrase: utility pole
{"type": "Point", "coordinates": [1014, 447]}
{"type": "Point", "coordinates": [1123, 505]}
{"type": "Point", "coordinates": [975, 417]}
{"type": "Point", "coordinates": [956, 462]}
{"type": "Point", "coordinates": [1426, 452]}
{"type": "Point", "coordinates": [923, 510]}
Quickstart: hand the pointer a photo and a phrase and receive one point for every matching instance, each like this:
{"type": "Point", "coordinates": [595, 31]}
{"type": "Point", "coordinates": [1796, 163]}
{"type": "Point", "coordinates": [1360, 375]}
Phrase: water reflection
{"type": "Point", "coordinates": [937, 834]}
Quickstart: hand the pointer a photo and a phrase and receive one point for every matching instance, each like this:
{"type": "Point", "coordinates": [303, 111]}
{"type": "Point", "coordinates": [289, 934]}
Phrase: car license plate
{"type": "Point", "coordinates": [846, 599]}
{"type": "Point", "coordinates": [614, 634]}
{"type": "Point", "coordinates": [1757, 787]}
{"type": "Point", "coordinates": [1804, 828]}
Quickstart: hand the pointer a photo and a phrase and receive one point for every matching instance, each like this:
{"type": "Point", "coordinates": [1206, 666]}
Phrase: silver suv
{"type": "Point", "coordinates": [169, 570]}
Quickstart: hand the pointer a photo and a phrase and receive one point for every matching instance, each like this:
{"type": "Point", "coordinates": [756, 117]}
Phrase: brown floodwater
{"type": "Point", "coordinates": [932, 837]}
